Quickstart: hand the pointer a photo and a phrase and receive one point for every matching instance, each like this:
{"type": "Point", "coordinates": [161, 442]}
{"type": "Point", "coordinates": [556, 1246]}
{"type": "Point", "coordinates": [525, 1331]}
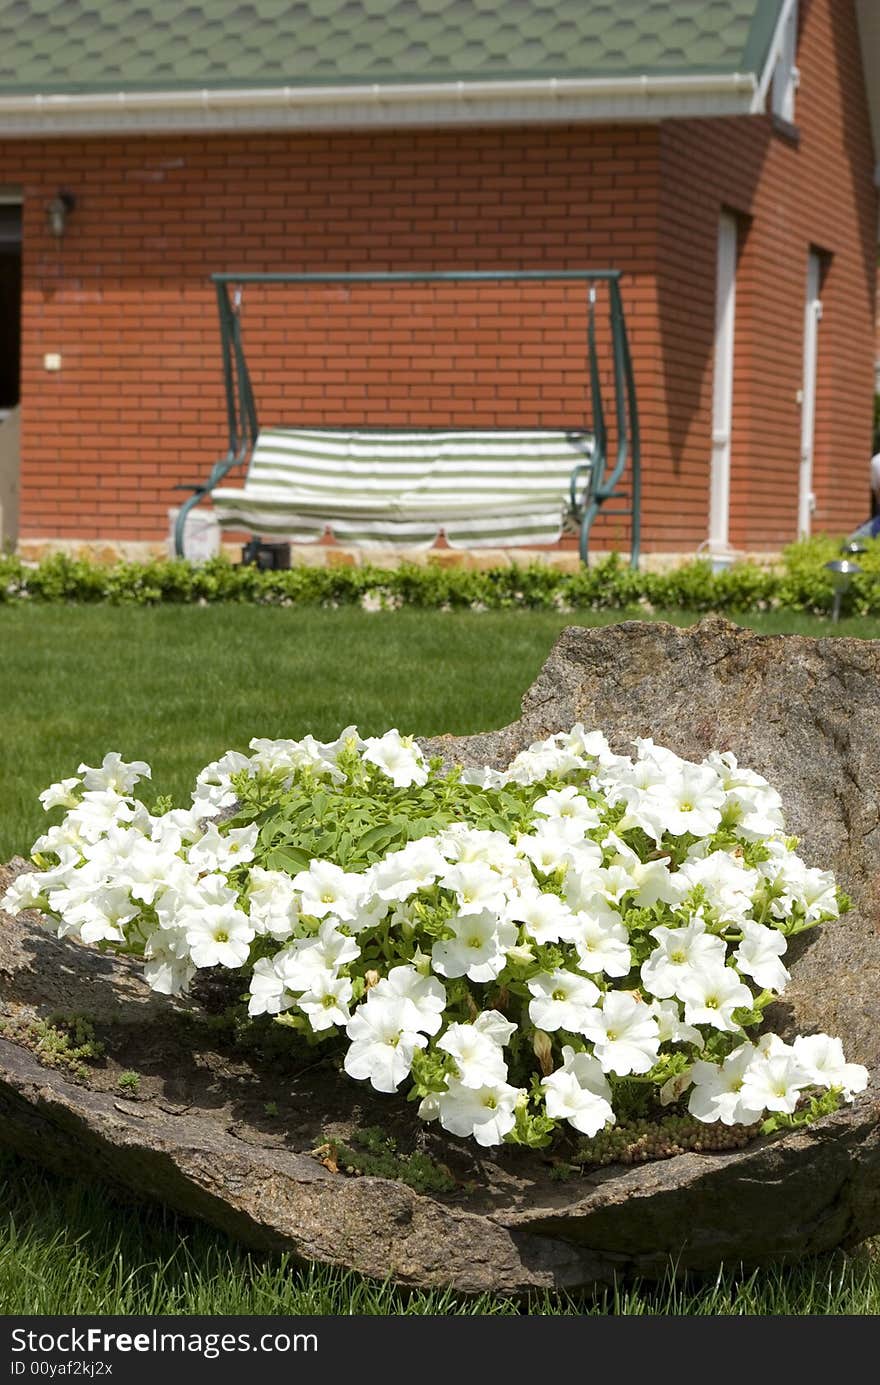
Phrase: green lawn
{"type": "Point", "coordinates": [177, 686]}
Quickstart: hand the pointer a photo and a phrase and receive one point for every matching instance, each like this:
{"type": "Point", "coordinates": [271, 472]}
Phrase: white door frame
{"type": "Point", "coordinates": [722, 387]}
{"type": "Point", "coordinates": [10, 435]}
{"type": "Point", "coordinates": [812, 318]}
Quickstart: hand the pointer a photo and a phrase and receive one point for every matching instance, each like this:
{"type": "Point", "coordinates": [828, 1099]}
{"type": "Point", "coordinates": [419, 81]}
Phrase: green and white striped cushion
{"type": "Point", "coordinates": [403, 487]}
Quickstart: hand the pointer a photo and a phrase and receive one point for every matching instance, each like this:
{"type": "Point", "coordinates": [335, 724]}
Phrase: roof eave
{"type": "Point", "coordinates": [358, 106]}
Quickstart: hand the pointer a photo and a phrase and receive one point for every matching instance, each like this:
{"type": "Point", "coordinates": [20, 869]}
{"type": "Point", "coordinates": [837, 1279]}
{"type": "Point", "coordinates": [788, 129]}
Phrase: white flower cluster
{"type": "Point", "coordinates": [627, 927]}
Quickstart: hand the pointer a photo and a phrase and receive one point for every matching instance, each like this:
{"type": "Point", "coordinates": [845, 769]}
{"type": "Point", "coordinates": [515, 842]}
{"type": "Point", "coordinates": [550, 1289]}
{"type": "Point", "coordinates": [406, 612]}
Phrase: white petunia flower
{"type": "Point", "coordinates": [584, 875]}
{"type": "Point", "coordinates": [369, 911]}
{"type": "Point", "coordinates": [691, 801]}
{"type": "Point", "coordinates": [486, 1113]}
{"type": "Point", "coordinates": [759, 956]}
{"type": "Point", "coordinates": [493, 1023]}
{"type": "Point", "coordinates": [273, 903]}
{"type": "Point", "coordinates": [561, 1000]}
{"type": "Point", "coordinates": [678, 953]}
{"type": "Point", "coordinates": [60, 840]}
{"type": "Point", "coordinates": [213, 790]}
{"type": "Point", "coordinates": [549, 845]}
{"type": "Point", "coordinates": [424, 997]}
{"type": "Point", "coordinates": [463, 844]}
{"type": "Point", "coordinates": [590, 745]}
{"type": "Point", "coordinates": [114, 774]}
{"type": "Point", "coordinates": [545, 917]}
{"type": "Point", "coordinates": [307, 958]}
{"type": "Point", "coordinates": [326, 1001]}
{"type": "Point", "coordinates": [648, 882]}
{"type": "Point", "coordinates": [100, 809]}
{"type": "Point", "coordinates": [397, 756]}
{"type": "Point", "coordinates": [821, 1058]}
{"type": "Point", "coordinates": [729, 885]}
{"type": "Point", "coordinates": [477, 948]}
{"type": "Point", "coordinates": [217, 850]}
{"type": "Point", "coordinates": [711, 993]}
{"type": "Point", "coordinates": [176, 829]}
{"type": "Point", "coordinates": [569, 803]}
{"type": "Point", "coordinates": [718, 1094]}
{"type": "Point", "coordinates": [813, 890]}
{"type": "Point", "coordinates": [402, 873]}
{"type": "Point", "coordinates": [25, 892]}
{"type": "Point", "coordinates": [291, 756]}
{"type": "Point", "coordinates": [624, 1034]}
{"type": "Point", "coordinates": [268, 990]}
{"type": "Point", "coordinates": [327, 889]}
{"type": "Point", "coordinates": [101, 918]}
{"type": "Point", "coordinates": [219, 935]}
{"type": "Point", "coordinates": [601, 939]}
{"type": "Point", "coordinates": [542, 759]}
{"type": "Point", "coordinates": [382, 1046]}
{"type": "Point", "coordinates": [671, 1026]}
{"type": "Point", "coordinates": [478, 1058]}
{"type": "Point", "coordinates": [167, 965]}
{"type": "Point", "coordinates": [64, 794]}
{"type": "Point", "coordinates": [751, 805]}
{"type": "Point", "coordinates": [579, 1093]}
{"type": "Point", "coordinates": [477, 887]}
{"type": "Point", "coordinates": [150, 869]}
{"type": "Point", "coordinates": [484, 778]}
{"type": "Point", "coordinates": [774, 1082]}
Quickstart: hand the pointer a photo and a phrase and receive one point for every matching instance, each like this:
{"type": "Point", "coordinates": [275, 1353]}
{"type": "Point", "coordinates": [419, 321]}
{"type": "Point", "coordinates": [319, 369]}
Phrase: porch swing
{"type": "Point", "coordinates": [405, 486]}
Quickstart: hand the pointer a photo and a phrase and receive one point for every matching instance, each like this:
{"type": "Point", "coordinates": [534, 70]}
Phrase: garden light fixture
{"type": "Point", "coordinates": [842, 570]}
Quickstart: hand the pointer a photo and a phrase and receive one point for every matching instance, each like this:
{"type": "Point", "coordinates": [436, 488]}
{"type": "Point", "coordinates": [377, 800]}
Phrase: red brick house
{"type": "Point", "coordinates": [719, 154]}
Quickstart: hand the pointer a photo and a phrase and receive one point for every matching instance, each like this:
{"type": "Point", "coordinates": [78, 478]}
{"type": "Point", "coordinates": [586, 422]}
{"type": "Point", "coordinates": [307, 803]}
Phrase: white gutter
{"type": "Point", "coordinates": [603, 98]}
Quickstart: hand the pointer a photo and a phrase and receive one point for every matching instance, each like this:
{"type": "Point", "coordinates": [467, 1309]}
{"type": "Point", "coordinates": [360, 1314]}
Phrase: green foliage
{"type": "Point", "coordinates": [359, 824]}
{"type": "Point", "coordinates": [66, 1042]}
{"type": "Point", "coordinates": [129, 1082]}
{"type": "Point", "coordinates": [371, 1151]}
{"type": "Point", "coordinates": [800, 584]}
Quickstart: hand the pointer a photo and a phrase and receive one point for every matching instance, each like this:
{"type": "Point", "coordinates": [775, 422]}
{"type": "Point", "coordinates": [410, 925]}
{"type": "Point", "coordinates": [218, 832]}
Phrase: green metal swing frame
{"type": "Point", "coordinates": [592, 484]}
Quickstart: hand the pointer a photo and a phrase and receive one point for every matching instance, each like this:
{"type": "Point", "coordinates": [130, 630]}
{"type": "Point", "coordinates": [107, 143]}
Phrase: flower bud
{"type": "Point", "coordinates": [543, 1049]}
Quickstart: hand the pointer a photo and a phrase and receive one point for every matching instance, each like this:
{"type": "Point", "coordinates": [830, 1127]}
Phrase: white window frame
{"type": "Point", "coordinates": [786, 74]}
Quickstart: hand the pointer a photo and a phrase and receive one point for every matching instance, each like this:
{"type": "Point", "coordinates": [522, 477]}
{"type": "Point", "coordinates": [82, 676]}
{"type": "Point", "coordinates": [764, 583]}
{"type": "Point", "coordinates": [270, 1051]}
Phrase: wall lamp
{"type": "Point", "coordinates": [57, 212]}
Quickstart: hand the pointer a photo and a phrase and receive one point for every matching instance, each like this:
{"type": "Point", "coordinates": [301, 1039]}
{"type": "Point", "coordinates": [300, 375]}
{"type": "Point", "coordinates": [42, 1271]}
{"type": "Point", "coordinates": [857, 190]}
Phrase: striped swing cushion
{"type": "Point", "coordinates": [404, 487]}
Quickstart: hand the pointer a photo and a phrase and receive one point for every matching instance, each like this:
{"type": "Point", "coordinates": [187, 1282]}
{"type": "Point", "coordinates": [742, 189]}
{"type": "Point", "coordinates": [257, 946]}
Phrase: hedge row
{"type": "Point", "coordinates": [801, 583]}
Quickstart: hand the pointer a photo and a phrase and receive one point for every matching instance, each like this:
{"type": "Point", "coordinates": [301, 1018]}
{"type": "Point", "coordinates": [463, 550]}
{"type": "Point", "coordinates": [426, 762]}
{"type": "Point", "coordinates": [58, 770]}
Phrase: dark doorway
{"type": "Point", "coordinates": [10, 305]}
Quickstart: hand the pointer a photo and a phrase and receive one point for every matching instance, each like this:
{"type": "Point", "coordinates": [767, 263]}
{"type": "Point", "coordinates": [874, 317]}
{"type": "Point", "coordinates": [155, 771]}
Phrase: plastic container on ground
{"type": "Point", "coordinates": [201, 535]}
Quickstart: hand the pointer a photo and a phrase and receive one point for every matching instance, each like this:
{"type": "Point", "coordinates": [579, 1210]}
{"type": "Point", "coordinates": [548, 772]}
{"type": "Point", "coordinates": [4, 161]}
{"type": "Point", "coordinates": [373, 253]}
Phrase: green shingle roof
{"type": "Point", "coordinates": [70, 46]}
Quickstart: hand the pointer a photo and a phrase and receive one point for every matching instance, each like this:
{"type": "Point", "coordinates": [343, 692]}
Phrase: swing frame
{"type": "Point", "coordinates": [591, 485]}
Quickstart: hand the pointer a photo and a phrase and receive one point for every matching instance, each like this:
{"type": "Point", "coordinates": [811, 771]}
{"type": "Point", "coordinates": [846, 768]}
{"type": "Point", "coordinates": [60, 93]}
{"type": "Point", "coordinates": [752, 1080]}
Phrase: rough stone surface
{"type": "Point", "coordinates": [806, 713]}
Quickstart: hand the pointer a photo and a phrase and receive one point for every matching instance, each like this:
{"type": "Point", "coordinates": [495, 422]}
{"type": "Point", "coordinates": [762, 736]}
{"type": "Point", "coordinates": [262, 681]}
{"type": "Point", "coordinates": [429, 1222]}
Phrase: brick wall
{"type": "Point", "coordinates": [125, 297]}
{"type": "Point", "coordinates": [126, 300]}
{"type": "Point", "coordinates": [790, 196]}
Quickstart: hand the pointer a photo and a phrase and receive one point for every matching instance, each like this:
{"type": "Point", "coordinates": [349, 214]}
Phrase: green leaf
{"type": "Point", "coordinates": [288, 858]}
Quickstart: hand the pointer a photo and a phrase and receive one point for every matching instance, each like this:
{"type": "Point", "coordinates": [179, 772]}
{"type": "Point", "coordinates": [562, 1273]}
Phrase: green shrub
{"type": "Point", "coordinates": [800, 583]}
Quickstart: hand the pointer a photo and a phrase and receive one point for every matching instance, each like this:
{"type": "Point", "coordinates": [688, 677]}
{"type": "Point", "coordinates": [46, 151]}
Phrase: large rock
{"type": "Point", "coordinates": [202, 1133]}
